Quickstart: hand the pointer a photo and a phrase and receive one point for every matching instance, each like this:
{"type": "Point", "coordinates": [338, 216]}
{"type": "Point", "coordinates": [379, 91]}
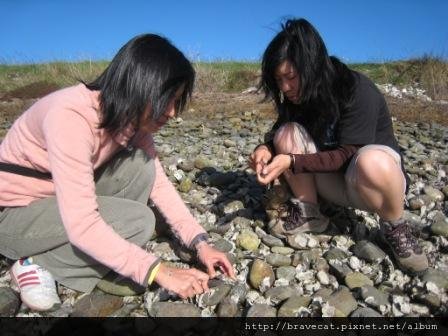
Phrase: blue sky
{"type": "Point", "coordinates": [354, 30]}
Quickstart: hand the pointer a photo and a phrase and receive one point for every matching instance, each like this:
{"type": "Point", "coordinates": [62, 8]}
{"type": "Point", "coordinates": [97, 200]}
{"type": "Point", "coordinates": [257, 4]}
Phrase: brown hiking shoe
{"type": "Point", "coordinates": [408, 254]}
{"type": "Point", "coordinates": [296, 216]}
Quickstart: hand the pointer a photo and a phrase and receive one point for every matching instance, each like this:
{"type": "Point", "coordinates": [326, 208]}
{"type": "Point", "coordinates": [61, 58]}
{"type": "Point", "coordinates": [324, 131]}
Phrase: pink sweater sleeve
{"type": "Point", "coordinates": [167, 199]}
{"type": "Point", "coordinates": [70, 145]}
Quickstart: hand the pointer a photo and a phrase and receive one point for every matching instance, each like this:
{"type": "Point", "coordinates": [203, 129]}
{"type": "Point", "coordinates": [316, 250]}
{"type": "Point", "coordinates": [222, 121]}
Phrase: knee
{"type": "Point", "coordinates": [293, 138]}
{"type": "Point", "coordinates": [375, 167]}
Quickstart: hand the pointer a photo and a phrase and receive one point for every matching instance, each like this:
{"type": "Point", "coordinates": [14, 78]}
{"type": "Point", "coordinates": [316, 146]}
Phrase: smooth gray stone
{"type": "Point", "coordinates": [438, 277]}
{"type": "Point", "coordinates": [321, 265]}
{"type": "Point", "coordinates": [238, 292]}
{"type": "Point", "coordinates": [340, 271]}
{"type": "Point", "coordinates": [323, 293]}
{"type": "Point", "coordinates": [174, 309]}
{"type": "Point", "coordinates": [365, 312]}
{"type": "Point", "coordinates": [343, 301]}
{"type": "Point", "coordinates": [9, 302]}
{"type": "Point", "coordinates": [248, 240]}
{"type": "Point", "coordinates": [280, 293]}
{"type": "Point", "coordinates": [283, 250]}
{"type": "Point", "coordinates": [227, 308]}
{"type": "Point", "coordinates": [292, 306]}
{"type": "Point", "coordinates": [258, 272]}
{"type": "Point", "coordinates": [272, 241]}
{"type": "Point", "coordinates": [261, 310]}
{"type": "Point", "coordinates": [435, 194]}
{"type": "Point", "coordinates": [369, 252]}
{"type": "Point", "coordinates": [379, 298]}
{"type": "Point", "coordinates": [286, 272]}
{"type": "Point", "coordinates": [335, 253]}
{"type": "Point", "coordinates": [215, 295]}
{"type": "Point", "coordinates": [357, 279]}
{"type": "Point", "coordinates": [440, 228]}
{"type": "Point", "coordinates": [97, 304]}
{"type": "Point", "coordinates": [223, 245]}
{"type": "Point", "coordinates": [276, 259]}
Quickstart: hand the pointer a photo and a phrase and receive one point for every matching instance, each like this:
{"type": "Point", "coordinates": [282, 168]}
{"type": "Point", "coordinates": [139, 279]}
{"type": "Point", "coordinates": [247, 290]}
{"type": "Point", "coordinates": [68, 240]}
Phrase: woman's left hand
{"type": "Point", "coordinates": [211, 257]}
{"type": "Point", "coordinates": [279, 164]}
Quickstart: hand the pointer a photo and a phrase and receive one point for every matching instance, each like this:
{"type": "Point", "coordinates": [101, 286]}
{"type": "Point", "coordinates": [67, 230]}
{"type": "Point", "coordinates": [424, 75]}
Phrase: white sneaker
{"type": "Point", "coordinates": [36, 285]}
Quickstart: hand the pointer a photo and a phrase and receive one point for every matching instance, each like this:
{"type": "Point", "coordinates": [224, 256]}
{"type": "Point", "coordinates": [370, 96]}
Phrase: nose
{"type": "Point", "coordinates": [285, 86]}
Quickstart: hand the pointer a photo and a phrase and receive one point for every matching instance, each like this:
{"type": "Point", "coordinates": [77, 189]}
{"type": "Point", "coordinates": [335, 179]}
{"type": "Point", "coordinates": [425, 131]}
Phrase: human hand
{"type": "Point", "coordinates": [278, 166]}
{"type": "Point", "coordinates": [184, 282]}
{"type": "Point", "coordinates": [259, 158]}
{"type": "Point", "coordinates": [210, 257]}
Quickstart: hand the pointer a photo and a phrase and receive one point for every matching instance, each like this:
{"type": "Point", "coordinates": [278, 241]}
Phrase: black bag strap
{"type": "Point", "coordinates": [20, 170]}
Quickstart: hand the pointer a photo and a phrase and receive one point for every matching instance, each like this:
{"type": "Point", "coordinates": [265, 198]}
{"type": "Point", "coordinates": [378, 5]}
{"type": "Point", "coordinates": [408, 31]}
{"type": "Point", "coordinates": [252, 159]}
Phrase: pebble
{"type": "Point", "coordinates": [280, 293]}
{"type": "Point", "coordinates": [276, 259]}
{"type": "Point", "coordinates": [174, 309]}
{"type": "Point", "coordinates": [343, 302]}
{"type": "Point", "coordinates": [298, 241]}
{"type": "Point", "coordinates": [248, 240]}
{"type": "Point", "coordinates": [286, 272]}
{"type": "Point", "coordinates": [374, 297]}
{"type": "Point", "coordinates": [260, 271]}
{"type": "Point", "coordinates": [365, 312]}
{"type": "Point", "coordinates": [227, 308]}
{"type": "Point", "coordinates": [293, 305]}
{"type": "Point", "coordinates": [439, 278]}
{"type": "Point", "coordinates": [335, 253]}
{"type": "Point", "coordinates": [97, 304]}
{"type": "Point", "coordinates": [283, 250]}
{"type": "Point", "coordinates": [435, 194]}
{"type": "Point", "coordinates": [272, 241]}
{"type": "Point", "coordinates": [369, 252]}
{"type": "Point", "coordinates": [9, 302]}
{"type": "Point", "coordinates": [261, 310]}
{"type": "Point", "coordinates": [215, 295]}
{"type": "Point", "coordinates": [357, 279]}
{"type": "Point", "coordinates": [323, 277]}
{"type": "Point", "coordinates": [440, 228]}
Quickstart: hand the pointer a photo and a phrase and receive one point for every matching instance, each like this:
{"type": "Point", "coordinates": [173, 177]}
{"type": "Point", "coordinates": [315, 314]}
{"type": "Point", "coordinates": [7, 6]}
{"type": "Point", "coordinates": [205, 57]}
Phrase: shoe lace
{"type": "Point", "coordinates": [293, 214]}
{"type": "Point", "coordinates": [403, 240]}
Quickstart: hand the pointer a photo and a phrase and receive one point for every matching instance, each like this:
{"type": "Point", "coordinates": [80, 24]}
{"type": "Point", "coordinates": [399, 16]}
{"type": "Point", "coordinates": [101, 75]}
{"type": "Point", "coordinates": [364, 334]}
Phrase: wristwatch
{"type": "Point", "coordinates": [202, 237]}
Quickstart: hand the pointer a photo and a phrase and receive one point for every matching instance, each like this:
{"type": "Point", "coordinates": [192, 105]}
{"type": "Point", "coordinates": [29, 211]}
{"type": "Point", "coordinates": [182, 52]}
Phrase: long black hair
{"type": "Point", "coordinates": [326, 85]}
{"type": "Point", "coordinates": [146, 70]}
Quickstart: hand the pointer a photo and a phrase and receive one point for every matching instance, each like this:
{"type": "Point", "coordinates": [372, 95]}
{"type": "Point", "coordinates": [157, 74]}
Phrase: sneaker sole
{"type": "Point", "coordinates": [31, 306]}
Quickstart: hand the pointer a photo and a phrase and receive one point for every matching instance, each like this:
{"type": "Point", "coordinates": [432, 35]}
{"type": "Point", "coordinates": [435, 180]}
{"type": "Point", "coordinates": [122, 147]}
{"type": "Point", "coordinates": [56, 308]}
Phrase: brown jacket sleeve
{"type": "Point", "coordinates": [324, 162]}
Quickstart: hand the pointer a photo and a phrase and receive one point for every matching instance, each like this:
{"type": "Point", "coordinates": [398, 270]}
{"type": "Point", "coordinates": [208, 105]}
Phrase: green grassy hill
{"type": "Point", "coordinates": [429, 73]}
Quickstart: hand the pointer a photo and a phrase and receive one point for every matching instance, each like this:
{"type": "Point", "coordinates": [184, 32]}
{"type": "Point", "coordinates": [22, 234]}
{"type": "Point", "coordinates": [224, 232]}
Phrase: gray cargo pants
{"type": "Point", "coordinates": [123, 186]}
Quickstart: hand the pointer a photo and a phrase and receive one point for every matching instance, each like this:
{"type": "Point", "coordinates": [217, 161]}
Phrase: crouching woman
{"type": "Point", "coordinates": [77, 170]}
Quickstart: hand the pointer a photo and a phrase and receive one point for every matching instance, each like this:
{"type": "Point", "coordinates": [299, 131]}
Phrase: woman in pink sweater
{"type": "Point", "coordinates": [77, 170]}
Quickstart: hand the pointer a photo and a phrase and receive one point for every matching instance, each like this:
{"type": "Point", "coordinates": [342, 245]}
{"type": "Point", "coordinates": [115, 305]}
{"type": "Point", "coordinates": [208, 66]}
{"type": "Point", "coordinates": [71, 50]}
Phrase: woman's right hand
{"type": "Point", "coordinates": [259, 158]}
{"type": "Point", "coordinates": [184, 282]}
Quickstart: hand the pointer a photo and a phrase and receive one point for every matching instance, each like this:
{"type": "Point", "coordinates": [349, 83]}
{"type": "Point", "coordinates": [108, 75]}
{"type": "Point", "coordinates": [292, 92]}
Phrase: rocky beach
{"type": "Point", "coordinates": [345, 271]}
